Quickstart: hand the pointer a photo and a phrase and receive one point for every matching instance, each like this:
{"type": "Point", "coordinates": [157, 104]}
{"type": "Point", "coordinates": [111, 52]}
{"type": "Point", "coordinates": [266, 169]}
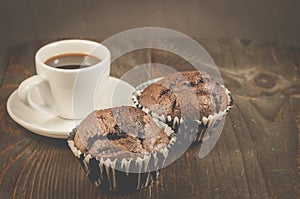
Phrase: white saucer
{"type": "Point", "coordinates": [116, 93]}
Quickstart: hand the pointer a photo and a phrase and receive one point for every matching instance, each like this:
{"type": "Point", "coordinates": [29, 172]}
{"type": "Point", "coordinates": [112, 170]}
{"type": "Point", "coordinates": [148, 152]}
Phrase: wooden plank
{"type": "Point", "coordinates": [4, 59]}
{"type": "Point", "coordinates": [256, 154]}
{"type": "Point", "coordinates": [130, 66]}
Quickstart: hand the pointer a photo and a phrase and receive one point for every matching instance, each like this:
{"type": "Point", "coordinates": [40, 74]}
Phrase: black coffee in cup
{"type": "Point", "coordinates": [72, 61]}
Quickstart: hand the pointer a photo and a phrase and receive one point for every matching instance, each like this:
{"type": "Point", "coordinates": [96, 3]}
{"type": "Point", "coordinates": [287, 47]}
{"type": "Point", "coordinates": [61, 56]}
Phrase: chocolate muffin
{"type": "Point", "coordinates": [120, 148]}
{"type": "Point", "coordinates": [185, 97]}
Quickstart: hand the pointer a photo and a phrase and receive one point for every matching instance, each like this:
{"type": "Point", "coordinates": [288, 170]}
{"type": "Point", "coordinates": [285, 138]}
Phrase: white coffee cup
{"type": "Point", "coordinates": [68, 93]}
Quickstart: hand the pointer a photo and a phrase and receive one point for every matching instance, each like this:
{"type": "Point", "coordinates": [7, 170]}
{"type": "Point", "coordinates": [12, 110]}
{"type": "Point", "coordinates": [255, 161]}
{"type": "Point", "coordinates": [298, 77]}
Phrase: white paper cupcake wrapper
{"type": "Point", "coordinates": [105, 171]}
{"type": "Point", "coordinates": [203, 124]}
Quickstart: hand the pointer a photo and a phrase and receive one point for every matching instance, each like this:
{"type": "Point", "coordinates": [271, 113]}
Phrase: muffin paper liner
{"type": "Point", "coordinates": [196, 132]}
{"type": "Point", "coordinates": [116, 174]}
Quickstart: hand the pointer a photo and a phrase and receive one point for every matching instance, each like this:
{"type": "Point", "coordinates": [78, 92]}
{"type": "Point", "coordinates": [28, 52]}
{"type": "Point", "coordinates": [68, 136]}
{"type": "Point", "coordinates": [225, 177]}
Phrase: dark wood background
{"type": "Point", "coordinates": [32, 20]}
{"type": "Point", "coordinates": [257, 155]}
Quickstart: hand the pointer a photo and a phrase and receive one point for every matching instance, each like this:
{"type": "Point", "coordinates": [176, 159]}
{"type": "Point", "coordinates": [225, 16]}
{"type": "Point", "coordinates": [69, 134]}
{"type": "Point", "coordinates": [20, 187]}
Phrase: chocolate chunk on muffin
{"type": "Point", "coordinates": [122, 140]}
{"type": "Point", "coordinates": [184, 96]}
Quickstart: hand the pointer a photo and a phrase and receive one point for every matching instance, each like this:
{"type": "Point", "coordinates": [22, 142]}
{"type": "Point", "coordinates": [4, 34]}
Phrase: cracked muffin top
{"type": "Point", "coordinates": [190, 94]}
{"type": "Point", "coordinates": [121, 132]}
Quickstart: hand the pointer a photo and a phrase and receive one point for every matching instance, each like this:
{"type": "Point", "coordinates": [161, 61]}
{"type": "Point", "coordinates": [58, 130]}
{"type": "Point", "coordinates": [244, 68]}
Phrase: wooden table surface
{"type": "Point", "coordinates": [257, 155]}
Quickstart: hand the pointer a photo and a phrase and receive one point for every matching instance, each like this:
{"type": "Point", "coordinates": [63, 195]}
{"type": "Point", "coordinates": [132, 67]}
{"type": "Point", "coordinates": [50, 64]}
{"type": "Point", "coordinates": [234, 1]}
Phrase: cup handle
{"type": "Point", "coordinates": [43, 101]}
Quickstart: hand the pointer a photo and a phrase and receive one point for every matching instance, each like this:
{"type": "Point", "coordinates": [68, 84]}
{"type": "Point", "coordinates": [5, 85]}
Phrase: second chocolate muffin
{"type": "Point", "coordinates": [190, 96]}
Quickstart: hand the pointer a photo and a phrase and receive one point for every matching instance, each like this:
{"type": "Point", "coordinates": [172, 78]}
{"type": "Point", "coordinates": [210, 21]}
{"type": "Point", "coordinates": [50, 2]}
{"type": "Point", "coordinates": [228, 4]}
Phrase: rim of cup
{"type": "Point", "coordinates": [103, 59]}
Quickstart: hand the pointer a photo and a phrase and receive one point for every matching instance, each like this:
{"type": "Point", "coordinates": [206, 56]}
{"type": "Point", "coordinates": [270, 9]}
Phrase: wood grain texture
{"type": "Point", "coordinates": [257, 155]}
